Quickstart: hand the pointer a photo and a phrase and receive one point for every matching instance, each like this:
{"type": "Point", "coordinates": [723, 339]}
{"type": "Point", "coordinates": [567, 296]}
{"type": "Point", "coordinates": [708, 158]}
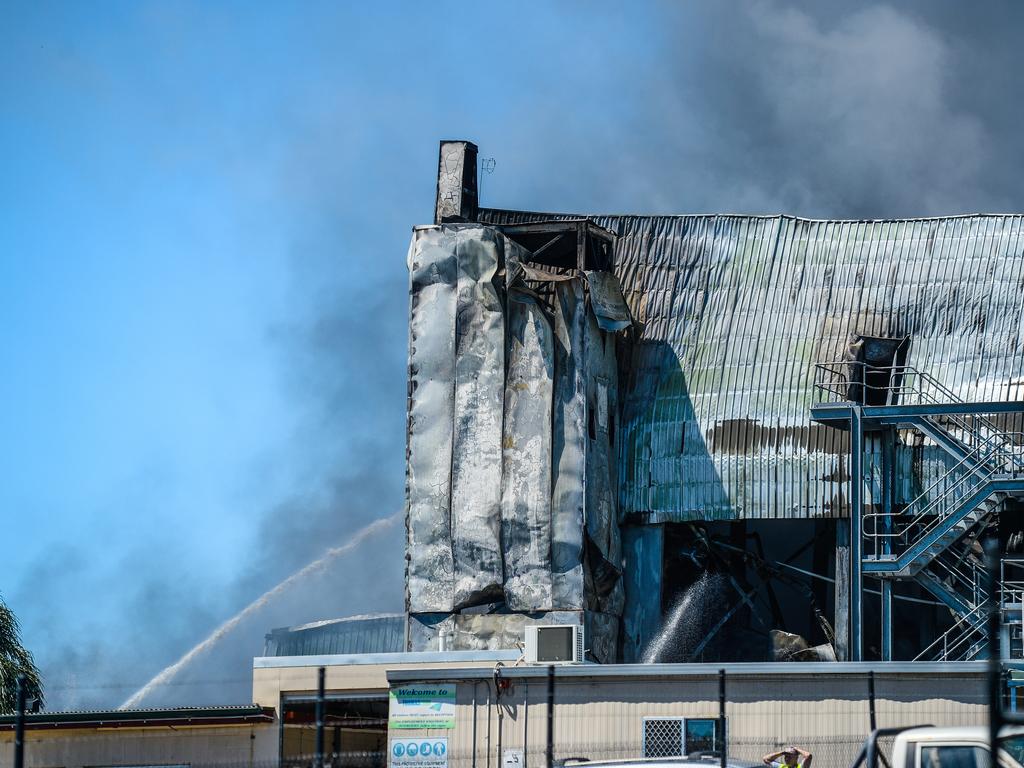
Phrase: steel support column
{"type": "Point", "coordinates": [886, 620]}
{"type": "Point", "coordinates": [888, 508]}
{"type": "Point", "coordinates": [856, 531]}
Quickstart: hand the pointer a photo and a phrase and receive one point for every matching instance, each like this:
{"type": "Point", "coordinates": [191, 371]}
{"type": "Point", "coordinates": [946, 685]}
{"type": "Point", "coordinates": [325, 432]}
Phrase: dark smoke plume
{"type": "Point", "coordinates": [823, 109]}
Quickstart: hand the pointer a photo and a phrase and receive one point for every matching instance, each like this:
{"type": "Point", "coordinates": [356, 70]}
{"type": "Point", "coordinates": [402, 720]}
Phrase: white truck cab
{"type": "Point", "coordinates": [963, 747]}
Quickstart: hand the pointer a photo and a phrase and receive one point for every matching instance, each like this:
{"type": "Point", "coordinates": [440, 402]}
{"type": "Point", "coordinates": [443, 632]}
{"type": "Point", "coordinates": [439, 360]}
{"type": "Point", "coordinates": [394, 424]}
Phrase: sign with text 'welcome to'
{"type": "Point", "coordinates": [422, 706]}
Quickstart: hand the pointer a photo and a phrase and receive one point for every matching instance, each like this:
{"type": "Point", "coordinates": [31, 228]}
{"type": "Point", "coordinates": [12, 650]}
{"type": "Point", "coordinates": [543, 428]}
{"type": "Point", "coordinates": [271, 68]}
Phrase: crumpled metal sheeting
{"type": "Point", "coordinates": [479, 411]}
{"type": "Point", "coordinates": [735, 310]}
{"type": "Point", "coordinates": [601, 470]}
{"type": "Point", "coordinates": [433, 270]}
{"type": "Point", "coordinates": [607, 302]}
{"type": "Point", "coordinates": [526, 455]}
{"type": "Point", "coordinates": [569, 435]}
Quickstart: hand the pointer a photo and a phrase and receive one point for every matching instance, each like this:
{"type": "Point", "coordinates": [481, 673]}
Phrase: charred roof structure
{"type": "Point", "coordinates": [824, 416]}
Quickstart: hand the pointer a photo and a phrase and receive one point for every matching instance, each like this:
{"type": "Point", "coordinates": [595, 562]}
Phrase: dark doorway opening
{"type": "Point", "coordinates": [876, 366]}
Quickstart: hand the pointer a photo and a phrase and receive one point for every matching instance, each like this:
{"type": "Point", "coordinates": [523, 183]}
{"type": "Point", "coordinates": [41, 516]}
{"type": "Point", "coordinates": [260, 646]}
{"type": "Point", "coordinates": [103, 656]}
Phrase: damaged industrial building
{"type": "Point", "coordinates": [708, 437]}
{"type": "Point", "coordinates": [644, 441]}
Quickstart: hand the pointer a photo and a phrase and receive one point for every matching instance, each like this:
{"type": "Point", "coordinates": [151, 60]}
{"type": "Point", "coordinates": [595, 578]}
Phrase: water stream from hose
{"type": "Point", "coordinates": [167, 674]}
{"type": "Point", "coordinates": [686, 623]}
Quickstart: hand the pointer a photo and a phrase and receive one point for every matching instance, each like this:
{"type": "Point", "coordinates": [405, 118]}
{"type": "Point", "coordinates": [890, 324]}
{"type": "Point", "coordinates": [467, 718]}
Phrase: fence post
{"type": "Point", "coordinates": [721, 717]}
{"type": "Point", "coordinates": [318, 761]}
{"type": "Point", "coordinates": [871, 699]}
{"type": "Point", "coordinates": [19, 723]}
{"type": "Point", "coordinates": [995, 666]}
{"type": "Point", "coordinates": [551, 716]}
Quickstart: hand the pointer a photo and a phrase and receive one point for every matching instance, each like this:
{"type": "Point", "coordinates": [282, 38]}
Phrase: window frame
{"type": "Point", "coordinates": [716, 738]}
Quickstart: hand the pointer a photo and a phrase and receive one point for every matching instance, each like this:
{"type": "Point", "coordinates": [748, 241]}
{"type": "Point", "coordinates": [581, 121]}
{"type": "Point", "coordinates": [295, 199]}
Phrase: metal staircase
{"type": "Point", "coordinates": [933, 539]}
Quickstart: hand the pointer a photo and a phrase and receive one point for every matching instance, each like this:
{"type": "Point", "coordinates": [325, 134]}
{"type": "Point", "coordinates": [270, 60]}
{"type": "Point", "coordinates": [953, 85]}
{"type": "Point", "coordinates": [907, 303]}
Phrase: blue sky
{"type": "Point", "coordinates": [204, 211]}
{"type": "Point", "coordinates": [193, 195]}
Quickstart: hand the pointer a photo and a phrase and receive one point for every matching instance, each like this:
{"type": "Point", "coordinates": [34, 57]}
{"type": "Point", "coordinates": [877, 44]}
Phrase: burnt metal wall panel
{"type": "Point", "coordinates": [602, 518]}
{"type": "Point", "coordinates": [569, 435]}
{"type": "Point", "coordinates": [733, 313]}
{"type": "Point", "coordinates": [526, 455]}
{"type": "Point", "coordinates": [506, 363]}
{"type": "Point", "coordinates": [433, 270]}
{"type": "Point", "coordinates": [479, 409]}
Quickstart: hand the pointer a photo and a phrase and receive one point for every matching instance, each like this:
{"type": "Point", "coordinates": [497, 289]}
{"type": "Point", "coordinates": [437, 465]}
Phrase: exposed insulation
{"type": "Point", "coordinates": [526, 456]}
{"type": "Point", "coordinates": [569, 447]}
{"type": "Point", "coordinates": [479, 408]}
{"type": "Point", "coordinates": [433, 272]}
{"type": "Point", "coordinates": [513, 407]}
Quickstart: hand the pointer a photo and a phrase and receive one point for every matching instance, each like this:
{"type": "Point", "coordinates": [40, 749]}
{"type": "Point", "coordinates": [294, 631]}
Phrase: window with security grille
{"type": "Point", "coordinates": [663, 737]}
{"type": "Point", "coordinates": [679, 736]}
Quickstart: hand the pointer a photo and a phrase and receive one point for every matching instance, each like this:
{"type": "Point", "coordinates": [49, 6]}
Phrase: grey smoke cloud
{"type": "Point", "coordinates": [816, 109]}
{"type": "Point", "coordinates": [811, 108]}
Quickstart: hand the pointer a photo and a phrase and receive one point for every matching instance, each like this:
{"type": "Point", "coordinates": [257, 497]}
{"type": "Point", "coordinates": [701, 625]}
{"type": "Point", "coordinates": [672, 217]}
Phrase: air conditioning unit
{"type": "Point", "coordinates": [554, 644]}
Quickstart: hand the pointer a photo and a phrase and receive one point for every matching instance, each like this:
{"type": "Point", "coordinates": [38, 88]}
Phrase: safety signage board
{"type": "Point", "coordinates": [422, 706]}
{"type": "Point", "coordinates": [419, 753]}
{"type": "Point", "coordinates": [513, 758]}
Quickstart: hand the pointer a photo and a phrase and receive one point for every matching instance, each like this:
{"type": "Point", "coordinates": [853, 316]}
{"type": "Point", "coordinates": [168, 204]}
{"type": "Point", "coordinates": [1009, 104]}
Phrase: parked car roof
{"type": "Point", "coordinates": [692, 761]}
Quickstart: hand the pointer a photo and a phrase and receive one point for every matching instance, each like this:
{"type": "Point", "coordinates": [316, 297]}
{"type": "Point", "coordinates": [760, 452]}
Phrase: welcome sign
{"type": "Point", "coordinates": [421, 706]}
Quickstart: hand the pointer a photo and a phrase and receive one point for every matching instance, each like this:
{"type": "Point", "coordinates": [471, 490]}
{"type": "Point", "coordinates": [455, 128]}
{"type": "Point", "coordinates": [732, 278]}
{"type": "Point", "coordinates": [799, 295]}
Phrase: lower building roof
{"type": "Point", "coordinates": [245, 714]}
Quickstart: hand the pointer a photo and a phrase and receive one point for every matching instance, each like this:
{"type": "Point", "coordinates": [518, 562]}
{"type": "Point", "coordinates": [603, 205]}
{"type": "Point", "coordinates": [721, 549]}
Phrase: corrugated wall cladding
{"type": "Point", "coordinates": [381, 633]}
{"type": "Point", "coordinates": [734, 311]}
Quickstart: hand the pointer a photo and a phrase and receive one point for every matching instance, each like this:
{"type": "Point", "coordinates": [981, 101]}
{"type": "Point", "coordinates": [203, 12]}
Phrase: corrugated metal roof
{"type": "Point", "coordinates": [710, 671]}
{"type": "Point", "coordinates": [374, 633]}
{"type": "Point", "coordinates": [179, 716]}
{"type": "Point", "coordinates": [734, 311]}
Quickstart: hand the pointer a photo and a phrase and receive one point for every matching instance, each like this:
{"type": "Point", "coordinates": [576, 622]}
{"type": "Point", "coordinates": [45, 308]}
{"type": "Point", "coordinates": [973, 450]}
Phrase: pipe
{"type": "Point", "coordinates": [856, 542]}
{"type": "Point", "coordinates": [551, 717]}
{"type": "Point", "coordinates": [318, 760]}
{"type": "Point", "coordinates": [871, 699]}
{"type": "Point", "coordinates": [475, 684]}
{"type": "Point", "coordinates": [721, 718]}
{"type": "Point", "coordinates": [526, 723]}
{"type": "Point", "coordinates": [19, 723]}
{"type": "Point", "coordinates": [501, 723]}
{"type": "Point", "coordinates": [995, 670]}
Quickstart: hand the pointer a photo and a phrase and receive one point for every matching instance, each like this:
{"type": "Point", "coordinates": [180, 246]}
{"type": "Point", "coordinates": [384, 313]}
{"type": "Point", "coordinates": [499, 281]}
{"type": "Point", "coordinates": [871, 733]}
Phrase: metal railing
{"type": "Point", "coordinates": [962, 641]}
{"type": "Point", "coordinates": [891, 534]}
{"type": "Point", "coordinates": [961, 573]}
{"type": "Point", "coordinates": [906, 385]}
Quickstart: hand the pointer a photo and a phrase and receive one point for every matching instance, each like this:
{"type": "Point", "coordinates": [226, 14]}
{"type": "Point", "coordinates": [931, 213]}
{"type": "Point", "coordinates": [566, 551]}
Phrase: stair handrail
{"type": "Point", "coordinates": [969, 582]}
{"type": "Point", "coordinates": [837, 371]}
{"type": "Point", "coordinates": [1012, 590]}
{"type": "Point", "coordinates": [966, 625]}
{"type": "Point", "coordinates": [926, 510]}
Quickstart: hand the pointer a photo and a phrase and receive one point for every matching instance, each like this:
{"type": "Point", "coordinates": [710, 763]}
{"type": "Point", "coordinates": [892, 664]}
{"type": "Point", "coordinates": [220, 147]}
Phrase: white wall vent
{"type": "Point", "coordinates": [554, 644]}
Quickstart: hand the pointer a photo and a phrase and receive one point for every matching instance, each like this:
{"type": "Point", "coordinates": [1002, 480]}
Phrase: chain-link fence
{"type": "Point", "coordinates": [597, 714]}
{"type": "Point", "coordinates": [604, 717]}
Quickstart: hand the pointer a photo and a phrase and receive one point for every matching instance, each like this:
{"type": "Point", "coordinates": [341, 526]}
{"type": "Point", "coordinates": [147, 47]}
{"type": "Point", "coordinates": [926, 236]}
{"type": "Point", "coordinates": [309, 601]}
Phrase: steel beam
{"type": "Point", "coordinates": [856, 531]}
{"type": "Point", "coordinates": [888, 505]}
{"type": "Point", "coordinates": [643, 546]}
{"type": "Point", "coordinates": [894, 414]}
{"type": "Point", "coordinates": [886, 620]}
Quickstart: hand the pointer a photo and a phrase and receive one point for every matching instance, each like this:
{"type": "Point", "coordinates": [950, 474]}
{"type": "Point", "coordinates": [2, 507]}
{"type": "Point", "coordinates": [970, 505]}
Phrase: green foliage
{"type": "Point", "coordinates": [15, 660]}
